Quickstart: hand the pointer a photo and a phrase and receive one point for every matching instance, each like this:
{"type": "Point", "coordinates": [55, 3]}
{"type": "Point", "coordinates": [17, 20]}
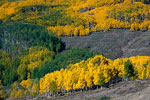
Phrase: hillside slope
{"type": "Point", "coordinates": [113, 44]}
{"type": "Point", "coordinates": [37, 37]}
{"type": "Point", "coordinates": [126, 90]}
{"type": "Point", "coordinates": [130, 90]}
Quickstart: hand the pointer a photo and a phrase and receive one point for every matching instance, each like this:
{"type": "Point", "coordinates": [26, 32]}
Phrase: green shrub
{"type": "Point", "coordinates": [104, 98]}
{"type": "Point", "coordinates": [129, 70]}
{"type": "Point", "coordinates": [62, 61]}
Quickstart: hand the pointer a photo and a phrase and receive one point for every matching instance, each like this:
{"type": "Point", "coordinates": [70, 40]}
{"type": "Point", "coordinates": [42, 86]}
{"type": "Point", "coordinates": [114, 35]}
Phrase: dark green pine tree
{"type": "Point", "coordinates": [129, 70]}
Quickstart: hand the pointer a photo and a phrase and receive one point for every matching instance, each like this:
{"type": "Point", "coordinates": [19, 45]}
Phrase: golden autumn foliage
{"type": "Point", "coordinates": [108, 14]}
{"type": "Point", "coordinates": [95, 15]}
{"type": "Point", "coordinates": [94, 71]}
{"type": "Point", "coordinates": [10, 8]}
{"type": "Point", "coordinates": [31, 86]}
{"type": "Point", "coordinates": [79, 75]}
{"type": "Point", "coordinates": [2, 91]}
{"type": "Point", "coordinates": [25, 88]}
{"type": "Point", "coordinates": [4, 58]}
{"type": "Point", "coordinates": [17, 90]}
{"type": "Point", "coordinates": [36, 57]}
{"type": "Point", "coordinates": [69, 30]}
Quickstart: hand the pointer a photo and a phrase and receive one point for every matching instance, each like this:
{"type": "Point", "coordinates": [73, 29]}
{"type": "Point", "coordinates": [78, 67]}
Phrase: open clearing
{"type": "Point", "coordinates": [113, 44]}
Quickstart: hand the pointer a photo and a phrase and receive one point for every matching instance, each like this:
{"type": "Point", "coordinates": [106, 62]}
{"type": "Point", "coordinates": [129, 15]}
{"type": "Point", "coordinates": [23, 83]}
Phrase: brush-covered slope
{"type": "Point", "coordinates": [113, 44]}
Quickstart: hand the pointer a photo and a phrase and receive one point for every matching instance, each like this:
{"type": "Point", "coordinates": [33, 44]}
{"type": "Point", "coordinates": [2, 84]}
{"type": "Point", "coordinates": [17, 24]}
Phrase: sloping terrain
{"type": "Point", "coordinates": [113, 44]}
{"type": "Point", "coordinates": [37, 37]}
{"type": "Point", "coordinates": [129, 90]}
{"type": "Point", "coordinates": [126, 90]}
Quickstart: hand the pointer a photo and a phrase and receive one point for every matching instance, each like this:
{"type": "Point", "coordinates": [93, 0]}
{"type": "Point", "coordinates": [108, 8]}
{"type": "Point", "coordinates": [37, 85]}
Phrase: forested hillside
{"type": "Point", "coordinates": [35, 58]}
{"type": "Point", "coordinates": [87, 74]}
{"type": "Point", "coordinates": [79, 16]}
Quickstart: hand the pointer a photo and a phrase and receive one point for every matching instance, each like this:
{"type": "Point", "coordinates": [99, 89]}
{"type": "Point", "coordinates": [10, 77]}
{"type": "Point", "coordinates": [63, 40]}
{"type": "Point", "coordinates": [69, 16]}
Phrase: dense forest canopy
{"type": "Point", "coordinates": [96, 71]}
{"type": "Point", "coordinates": [32, 56]}
{"type": "Point", "coordinates": [79, 17]}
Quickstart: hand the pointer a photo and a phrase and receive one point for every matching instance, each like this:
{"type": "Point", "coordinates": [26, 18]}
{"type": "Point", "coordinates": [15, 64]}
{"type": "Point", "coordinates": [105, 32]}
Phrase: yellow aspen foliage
{"type": "Point", "coordinates": [96, 76]}
{"type": "Point", "coordinates": [94, 15]}
{"type": "Point", "coordinates": [30, 85]}
{"type": "Point", "coordinates": [77, 76]}
{"type": "Point", "coordinates": [69, 30]}
{"type": "Point", "coordinates": [81, 81]}
{"type": "Point", "coordinates": [2, 91]}
{"type": "Point", "coordinates": [25, 88]}
{"type": "Point", "coordinates": [149, 28]}
{"type": "Point", "coordinates": [144, 26]}
{"type": "Point", "coordinates": [17, 90]}
{"type": "Point", "coordinates": [26, 83]}
{"type": "Point", "coordinates": [18, 93]}
{"type": "Point", "coordinates": [95, 71]}
{"type": "Point", "coordinates": [89, 79]}
{"type": "Point", "coordinates": [35, 89]}
{"type": "Point", "coordinates": [4, 58]}
{"type": "Point", "coordinates": [36, 57]}
{"type": "Point", "coordinates": [148, 71]}
{"type": "Point", "coordinates": [134, 27]}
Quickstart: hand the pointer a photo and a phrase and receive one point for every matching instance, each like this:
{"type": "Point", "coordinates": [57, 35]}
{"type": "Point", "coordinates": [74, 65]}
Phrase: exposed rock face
{"type": "Point", "coordinates": [113, 44]}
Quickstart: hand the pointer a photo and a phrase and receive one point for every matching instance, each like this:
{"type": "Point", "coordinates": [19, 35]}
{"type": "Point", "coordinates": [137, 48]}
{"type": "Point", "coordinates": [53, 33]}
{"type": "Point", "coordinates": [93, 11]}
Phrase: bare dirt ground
{"type": "Point", "coordinates": [113, 44]}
